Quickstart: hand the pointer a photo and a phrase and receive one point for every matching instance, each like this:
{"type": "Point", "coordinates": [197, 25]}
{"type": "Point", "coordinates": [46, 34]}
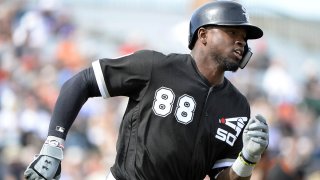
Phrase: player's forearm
{"type": "Point", "coordinates": [73, 94]}
{"type": "Point", "coordinates": [229, 174]}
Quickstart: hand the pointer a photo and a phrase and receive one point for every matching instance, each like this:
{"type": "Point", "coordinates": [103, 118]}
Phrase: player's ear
{"type": "Point", "coordinates": [202, 35]}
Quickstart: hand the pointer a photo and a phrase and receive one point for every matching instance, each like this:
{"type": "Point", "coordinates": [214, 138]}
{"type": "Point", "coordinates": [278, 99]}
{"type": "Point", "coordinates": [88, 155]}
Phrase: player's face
{"type": "Point", "coordinates": [226, 46]}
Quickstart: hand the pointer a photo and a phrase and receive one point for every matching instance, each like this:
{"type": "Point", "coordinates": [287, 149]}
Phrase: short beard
{"type": "Point", "coordinates": [227, 64]}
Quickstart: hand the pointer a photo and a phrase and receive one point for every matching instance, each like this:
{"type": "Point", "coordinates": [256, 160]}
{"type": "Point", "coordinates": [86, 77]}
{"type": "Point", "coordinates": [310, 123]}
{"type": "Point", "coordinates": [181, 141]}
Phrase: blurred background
{"type": "Point", "coordinates": [43, 43]}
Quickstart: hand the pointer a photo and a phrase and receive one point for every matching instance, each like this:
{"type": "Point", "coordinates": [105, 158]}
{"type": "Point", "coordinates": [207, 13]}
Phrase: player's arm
{"type": "Point", "coordinates": [124, 76]}
{"type": "Point", "coordinates": [73, 94]}
{"type": "Point", "coordinates": [255, 141]}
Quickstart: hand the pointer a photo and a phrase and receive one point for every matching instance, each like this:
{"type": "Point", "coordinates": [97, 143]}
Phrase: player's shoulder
{"type": "Point", "coordinates": [148, 52]}
{"type": "Point", "coordinates": [156, 55]}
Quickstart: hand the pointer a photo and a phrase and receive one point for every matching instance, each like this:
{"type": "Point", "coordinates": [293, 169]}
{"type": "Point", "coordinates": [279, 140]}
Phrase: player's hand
{"type": "Point", "coordinates": [47, 165]}
{"type": "Point", "coordinates": [255, 138]}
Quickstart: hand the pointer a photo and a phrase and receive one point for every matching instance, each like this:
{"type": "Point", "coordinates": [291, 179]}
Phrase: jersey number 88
{"type": "Point", "coordinates": [163, 104]}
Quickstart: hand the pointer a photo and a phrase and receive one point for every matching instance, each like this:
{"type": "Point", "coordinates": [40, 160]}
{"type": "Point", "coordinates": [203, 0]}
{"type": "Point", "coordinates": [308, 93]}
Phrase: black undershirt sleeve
{"type": "Point", "coordinates": [73, 94]}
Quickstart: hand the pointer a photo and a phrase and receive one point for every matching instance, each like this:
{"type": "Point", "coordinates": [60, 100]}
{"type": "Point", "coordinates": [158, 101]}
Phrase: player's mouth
{"type": "Point", "coordinates": [238, 53]}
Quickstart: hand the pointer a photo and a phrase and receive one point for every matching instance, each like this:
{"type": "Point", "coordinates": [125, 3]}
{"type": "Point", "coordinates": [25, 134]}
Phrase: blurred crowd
{"type": "Point", "coordinates": [39, 51]}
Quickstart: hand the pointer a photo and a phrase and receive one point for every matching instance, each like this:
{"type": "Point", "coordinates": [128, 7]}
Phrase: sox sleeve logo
{"type": "Point", "coordinates": [236, 123]}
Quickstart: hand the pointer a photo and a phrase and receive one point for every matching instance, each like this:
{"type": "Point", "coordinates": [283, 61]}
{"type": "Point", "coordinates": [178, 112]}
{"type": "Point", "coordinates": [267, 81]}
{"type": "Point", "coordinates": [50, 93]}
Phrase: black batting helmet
{"type": "Point", "coordinates": [223, 13]}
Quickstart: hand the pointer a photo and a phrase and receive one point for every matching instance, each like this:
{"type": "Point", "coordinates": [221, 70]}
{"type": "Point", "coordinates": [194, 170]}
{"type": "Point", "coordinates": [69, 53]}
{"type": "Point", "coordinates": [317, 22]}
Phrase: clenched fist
{"type": "Point", "coordinates": [47, 165]}
{"type": "Point", "coordinates": [255, 139]}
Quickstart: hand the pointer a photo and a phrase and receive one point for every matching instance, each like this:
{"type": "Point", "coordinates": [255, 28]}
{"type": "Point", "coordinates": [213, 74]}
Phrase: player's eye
{"type": "Point", "coordinates": [236, 32]}
{"type": "Point", "coordinates": [232, 32]}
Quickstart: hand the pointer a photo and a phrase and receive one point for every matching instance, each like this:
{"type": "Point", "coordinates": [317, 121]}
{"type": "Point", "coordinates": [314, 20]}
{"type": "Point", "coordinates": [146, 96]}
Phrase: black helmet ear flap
{"type": "Point", "coordinates": [247, 55]}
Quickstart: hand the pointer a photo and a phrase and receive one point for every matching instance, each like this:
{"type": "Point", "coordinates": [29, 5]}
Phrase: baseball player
{"type": "Point", "coordinates": [184, 119]}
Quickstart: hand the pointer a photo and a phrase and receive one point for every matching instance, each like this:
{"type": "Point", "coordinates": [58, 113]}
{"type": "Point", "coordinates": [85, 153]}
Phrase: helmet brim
{"type": "Point", "coordinates": [253, 32]}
